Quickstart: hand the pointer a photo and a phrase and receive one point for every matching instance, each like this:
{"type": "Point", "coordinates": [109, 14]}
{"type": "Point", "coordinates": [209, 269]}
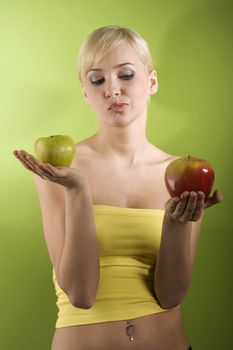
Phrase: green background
{"type": "Point", "coordinates": [191, 43]}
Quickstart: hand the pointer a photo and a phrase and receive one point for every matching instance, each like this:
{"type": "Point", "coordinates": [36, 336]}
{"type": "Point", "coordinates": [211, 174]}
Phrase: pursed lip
{"type": "Point", "coordinates": [117, 105]}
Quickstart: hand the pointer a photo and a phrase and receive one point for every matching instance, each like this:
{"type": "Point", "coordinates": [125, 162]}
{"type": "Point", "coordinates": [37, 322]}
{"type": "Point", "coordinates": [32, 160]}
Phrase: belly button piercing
{"type": "Point", "coordinates": [129, 332]}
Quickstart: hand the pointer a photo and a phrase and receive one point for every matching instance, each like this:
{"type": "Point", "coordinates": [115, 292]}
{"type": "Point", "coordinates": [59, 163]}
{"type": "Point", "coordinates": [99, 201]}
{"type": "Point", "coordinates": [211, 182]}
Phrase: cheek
{"type": "Point", "coordinates": [94, 96]}
{"type": "Point", "coordinates": [139, 89]}
{"type": "Point", "coordinates": [140, 82]}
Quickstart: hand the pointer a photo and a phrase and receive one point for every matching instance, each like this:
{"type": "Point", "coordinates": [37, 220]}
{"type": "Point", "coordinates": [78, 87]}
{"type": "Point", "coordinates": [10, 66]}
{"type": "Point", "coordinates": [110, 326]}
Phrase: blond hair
{"type": "Point", "coordinates": [102, 40]}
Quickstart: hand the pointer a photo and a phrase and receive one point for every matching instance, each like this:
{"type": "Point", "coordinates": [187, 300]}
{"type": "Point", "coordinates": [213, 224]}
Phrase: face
{"type": "Point", "coordinates": [120, 77]}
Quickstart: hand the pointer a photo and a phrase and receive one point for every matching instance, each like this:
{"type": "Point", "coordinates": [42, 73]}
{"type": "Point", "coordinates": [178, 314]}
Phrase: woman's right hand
{"type": "Point", "coordinates": [66, 176]}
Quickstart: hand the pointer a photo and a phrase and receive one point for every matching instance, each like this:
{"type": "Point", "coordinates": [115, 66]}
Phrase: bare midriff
{"type": "Point", "coordinates": [160, 331]}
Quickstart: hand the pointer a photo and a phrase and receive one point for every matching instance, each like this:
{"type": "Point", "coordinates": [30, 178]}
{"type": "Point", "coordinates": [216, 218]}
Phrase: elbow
{"type": "Point", "coordinates": [82, 298]}
{"type": "Point", "coordinates": [77, 300]}
{"type": "Point", "coordinates": [81, 302]}
{"type": "Point", "coordinates": [169, 304]}
{"type": "Point", "coordinates": [170, 300]}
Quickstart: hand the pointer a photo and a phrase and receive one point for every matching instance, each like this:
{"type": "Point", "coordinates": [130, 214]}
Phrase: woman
{"type": "Point", "coordinates": [122, 250]}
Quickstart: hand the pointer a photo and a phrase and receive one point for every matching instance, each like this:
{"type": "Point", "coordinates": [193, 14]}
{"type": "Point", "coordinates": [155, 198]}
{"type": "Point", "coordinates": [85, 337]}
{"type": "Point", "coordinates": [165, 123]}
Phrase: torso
{"type": "Point", "coordinates": [141, 186]}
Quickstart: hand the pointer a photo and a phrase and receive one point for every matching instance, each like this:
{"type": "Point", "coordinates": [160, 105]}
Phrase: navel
{"type": "Point", "coordinates": [130, 330]}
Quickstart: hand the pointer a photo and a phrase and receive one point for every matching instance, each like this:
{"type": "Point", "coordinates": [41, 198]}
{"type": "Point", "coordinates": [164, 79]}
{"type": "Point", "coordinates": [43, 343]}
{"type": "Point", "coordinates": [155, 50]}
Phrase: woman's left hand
{"type": "Point", "coordinates": [190, 205]}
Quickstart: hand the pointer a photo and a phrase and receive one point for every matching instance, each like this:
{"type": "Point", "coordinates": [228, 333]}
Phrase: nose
{"type": "Point", "coordinates": [112, 91]}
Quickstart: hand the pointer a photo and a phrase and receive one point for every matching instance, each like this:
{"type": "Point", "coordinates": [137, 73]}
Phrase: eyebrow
{"type": "Point", "coordinates": [118, 65]}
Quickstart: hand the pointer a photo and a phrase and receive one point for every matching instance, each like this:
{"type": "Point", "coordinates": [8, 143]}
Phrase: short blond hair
{"type": "Point", "coordinates": [102, 40]}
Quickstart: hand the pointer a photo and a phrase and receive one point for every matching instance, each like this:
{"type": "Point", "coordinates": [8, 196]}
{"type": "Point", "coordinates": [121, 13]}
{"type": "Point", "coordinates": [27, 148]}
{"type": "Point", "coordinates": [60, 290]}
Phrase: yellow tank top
{"type": "Point", "coordinates": [128, 242]}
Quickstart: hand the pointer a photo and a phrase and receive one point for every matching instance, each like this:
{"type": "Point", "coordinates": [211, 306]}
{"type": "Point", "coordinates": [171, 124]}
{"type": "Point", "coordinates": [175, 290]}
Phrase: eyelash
{"type": "Point", "coordinates": [98, 82]}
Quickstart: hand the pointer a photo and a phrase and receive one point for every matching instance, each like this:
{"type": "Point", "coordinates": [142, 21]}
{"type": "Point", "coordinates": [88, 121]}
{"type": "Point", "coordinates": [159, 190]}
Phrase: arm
{"type": "Point", "coordinates": [68, 224]}
{"type": "Point", "coordinates": [69, 230]}
{"type": "Point", "coordinates": [79, 268]}
{"type": "Point", "coordinates": [173, 271]}
{"type": "Point", "coordinates": [180, 233]}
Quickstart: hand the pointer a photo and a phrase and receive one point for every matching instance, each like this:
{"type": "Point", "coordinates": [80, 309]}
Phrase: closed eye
{"type": "Point", "coordinates": [127, 76]}
{"type": "Point", "coordinates": [100, 81]}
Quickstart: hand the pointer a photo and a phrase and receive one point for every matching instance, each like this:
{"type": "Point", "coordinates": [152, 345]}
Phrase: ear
{"type": "Point", "coordinates": [153, 83]}
{"type": "Point", "coordinates": [85, 95]}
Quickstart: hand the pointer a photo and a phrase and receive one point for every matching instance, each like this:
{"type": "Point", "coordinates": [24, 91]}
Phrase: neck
{"type": "Point", "coordinates": [123, 144]}
{"type": "Point", "coordinates": [122, 147]}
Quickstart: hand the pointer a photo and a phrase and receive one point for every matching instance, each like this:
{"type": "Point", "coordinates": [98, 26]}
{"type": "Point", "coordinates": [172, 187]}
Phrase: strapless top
{"type": "Point", "coordinates": [128, 242]}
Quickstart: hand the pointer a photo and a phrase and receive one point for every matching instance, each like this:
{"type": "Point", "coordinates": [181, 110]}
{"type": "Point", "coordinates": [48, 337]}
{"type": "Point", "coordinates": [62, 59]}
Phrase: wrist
{"type": "Point", "coordinates": [169, 221]}
{"type": "Point", "coordinates": [78, 189]}
{"type": "Point", "coordinates": [174, 229]}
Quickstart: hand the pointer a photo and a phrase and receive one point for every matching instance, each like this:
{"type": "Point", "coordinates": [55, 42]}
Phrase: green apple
{"type": "Point", "coordinates": [58, 150]}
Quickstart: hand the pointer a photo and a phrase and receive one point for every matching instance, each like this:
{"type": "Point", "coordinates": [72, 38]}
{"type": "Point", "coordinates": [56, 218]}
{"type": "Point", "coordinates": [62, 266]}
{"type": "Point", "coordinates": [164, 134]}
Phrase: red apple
{"type": "Point", "coordinates": [189, 174]}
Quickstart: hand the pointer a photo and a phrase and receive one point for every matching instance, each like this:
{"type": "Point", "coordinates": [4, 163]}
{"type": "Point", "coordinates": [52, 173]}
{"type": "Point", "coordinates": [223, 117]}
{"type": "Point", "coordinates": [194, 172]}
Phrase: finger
{"type": "Point", "coordinates": [219, 195]}
{"type": "Point", "coordinates": [190, 207]}
{"type": "Point", "coordinates": [23, 157]}
{"type": "Point", "coordinates": [23, 154]}
{"type": "Point", "coordinates": [178, 212]}
{"type": "Point", "coordinates": [23, 162]}
{"type": "Point", "coordinates": [170, 205]}
{"type": "Point", "coordinates": [52, 170]}
{"type": "Point", "coordinates": [199, 206]}
{"type": "Point", "coordinates": [48, 168]}
{"type": "Point", "coordinates": [32, 169]}
{"type": "Point", "coordinates": [26, 159]}
{"type": "Point", "coordinates": [216, 198]}
{"type": "Point", "coordinates": [42, 168]}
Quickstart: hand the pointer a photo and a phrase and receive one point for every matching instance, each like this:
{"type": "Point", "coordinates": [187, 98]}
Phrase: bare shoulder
{"type": "Point", "coordinates": [162, 192]}
{"type": "Point", "coordinates": [171, 158]}
{"type": "Point", "coordinates": [84, 151]}
{"type": "Point", "coordinates": [167, 158]}
{"type": "Point", "coordinates": [84, 145]}
{"type": "Point", "coordinates": [163, 158]}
